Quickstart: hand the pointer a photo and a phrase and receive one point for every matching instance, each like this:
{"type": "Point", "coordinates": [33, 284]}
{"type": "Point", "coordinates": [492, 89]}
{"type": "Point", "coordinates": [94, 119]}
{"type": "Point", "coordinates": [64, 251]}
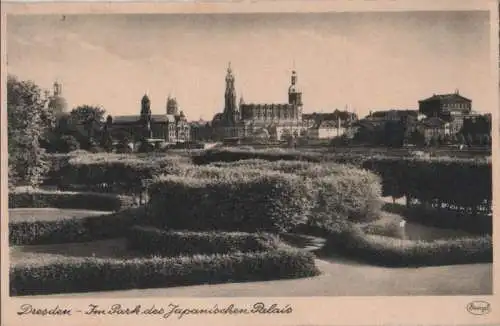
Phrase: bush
{"type": "Point", "coordinates": [341, 191]}
{"type": "Point", "coordinates": [387, 226]}
{"type": "Point", "coordinates": [122, 173]}
{"type": "Point", "coordinates": [231, 201]}
{"type": "Point", "coordinates": [75, 200]}
{"type": "Point", "coordinates": [456, 182]}
{"type": "Point", "coordinates": [318, 191]}
{"type": "Point", "coordinates": [353, 242]}
{"type": "Point", "coordinates": [93, 274]}
{"type": "Point", "coordinates": [174, 243]}
{"type": "Point", "coordinates": [236, 154]}
{"type": "Point", "coordinates": [478, 224]}
{"type": "Point", "coordinates": [90, 228]}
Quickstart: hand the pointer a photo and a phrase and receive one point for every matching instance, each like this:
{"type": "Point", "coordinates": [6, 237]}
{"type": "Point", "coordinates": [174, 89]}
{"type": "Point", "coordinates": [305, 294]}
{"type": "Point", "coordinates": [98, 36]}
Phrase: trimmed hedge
{"type": "Point", "coordinates": [237, 154]}
{"type": "Point", "coordinates": [154, 241]}
{"type": "Point", "coordinates": [75, 200]}
{"type": "Point", "coordinates": [462, 185]}
{"type": "Point", "coordinates": [351, 241]}
{"type": "Point", "coordinates": [459, 182]}
{"type": "Point", "coordinates": [74, 229]}
{"type": "Point", "coordinates": [254, 197]}
{"type": "Point", "coordinates": [93, 274]}
{"type": "Point", "coordinates": [119, 172]}
{"type": "Point", "coordinates": [340, 191]}
{"type": "Point", "coordinates": [478, 224]}
{"type": "Point", "coordinates": [244, 202]}
{"type": "Point", "coordinates": [451, 193]}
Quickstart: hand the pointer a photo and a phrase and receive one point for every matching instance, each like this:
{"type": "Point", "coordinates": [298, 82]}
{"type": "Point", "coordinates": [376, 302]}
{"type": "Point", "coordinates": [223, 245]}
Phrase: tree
{"type": "Point", "coordinates": [393, 134]}
{"type": "Point", "coordinates": [29, 119]}
{"type": "Point", "coordinates": [88, 120]}
{"type": "Point", "coordinates": [68, 144]}
{"type": "Point", "coordinates": [106, 140]}
{"type": "Point", "coordinates": [417, 138]}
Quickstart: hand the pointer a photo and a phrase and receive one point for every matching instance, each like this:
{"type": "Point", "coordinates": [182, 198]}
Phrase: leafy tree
{"type": "Point", "coordinates": [88, 119]}
{"type": "Point", "coordinates": [29, 119]}
{"type": "Point", "coordinates": [68, 143]}
{"type": "Point", "coordinates": [106, 141]}
{"type": "Point", "coordinates": [393, 134]}
{"type": "Point", "coordinates": [417, 138]}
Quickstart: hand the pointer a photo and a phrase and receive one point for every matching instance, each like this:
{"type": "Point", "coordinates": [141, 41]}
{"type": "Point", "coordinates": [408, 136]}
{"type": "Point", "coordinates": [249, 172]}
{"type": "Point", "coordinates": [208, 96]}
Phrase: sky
{"type": "Point", "coordinates": [365, 61]}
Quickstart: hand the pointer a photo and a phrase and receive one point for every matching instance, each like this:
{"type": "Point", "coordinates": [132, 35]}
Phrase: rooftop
{"type": "Point", "coordinates": [450, 96]}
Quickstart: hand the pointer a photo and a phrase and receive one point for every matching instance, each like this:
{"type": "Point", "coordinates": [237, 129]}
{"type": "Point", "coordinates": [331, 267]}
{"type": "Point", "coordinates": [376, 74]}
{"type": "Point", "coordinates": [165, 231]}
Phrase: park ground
{"type": "Point", "coordinates": [339, 277]}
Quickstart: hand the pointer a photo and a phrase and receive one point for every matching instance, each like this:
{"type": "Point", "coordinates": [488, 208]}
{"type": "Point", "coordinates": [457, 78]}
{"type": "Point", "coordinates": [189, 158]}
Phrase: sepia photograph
{"type": "Point", "coordinates": [249, 154]}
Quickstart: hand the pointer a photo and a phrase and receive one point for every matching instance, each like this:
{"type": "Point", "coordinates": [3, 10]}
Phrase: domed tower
{"type": "Point", "coordinates": [57, 103]}
{"type": "Point", "coordinates": [295, 96]}
{"type": "Point", "coordinates": [172, 107]}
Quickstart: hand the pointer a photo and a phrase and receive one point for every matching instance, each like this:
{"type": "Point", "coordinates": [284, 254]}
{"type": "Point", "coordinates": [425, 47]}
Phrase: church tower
{"type": "Point", "coordinates": [295, 96]}
{"type": "Point", "coordinates": [172, 108]}
{"type": "Point", "coordinates": [230, 109]}
{"type": "Point", "coordinates": [146, 116]}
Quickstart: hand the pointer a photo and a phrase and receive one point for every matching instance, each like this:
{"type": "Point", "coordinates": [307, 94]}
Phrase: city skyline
{"type": "Point", "coordinates": [382, 61]}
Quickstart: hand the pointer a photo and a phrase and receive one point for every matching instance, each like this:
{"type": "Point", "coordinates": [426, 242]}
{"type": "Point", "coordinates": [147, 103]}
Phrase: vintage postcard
{"type": "Point", "coordinates": [250, 163]}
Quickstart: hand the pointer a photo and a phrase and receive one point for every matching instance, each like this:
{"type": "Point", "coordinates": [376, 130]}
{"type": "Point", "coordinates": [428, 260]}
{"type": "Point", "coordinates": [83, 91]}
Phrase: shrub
{"type": "Point", "coordinates": [353, 242]}
{"type": "Point", "coordinates": [387, 226]}
{"type": "Point", "coordinates": [122, 173]}
{"type": "Point", "coordinates": [60, 199]}
{"type": "Point", "coordinates": [456, 182]}
{"type": "Point", "coordinates": [235, 154]}
{"type": "Point", "coordinates": [477, 224]}
{"type": "Point", "coordinates": [354, 196]}
{"type": "Point", "coordinates": [93, 274]}
{"type": "Point", "coordinates": [230, 201]}
{"type": "Point", "coordinates": [322, 192]}
{"type": "Point", "coordinates": [303, 168]}
{"type": "Point", "coordinates": [174, 243]}
{"type": "Point", "coordinates": [75, 229]}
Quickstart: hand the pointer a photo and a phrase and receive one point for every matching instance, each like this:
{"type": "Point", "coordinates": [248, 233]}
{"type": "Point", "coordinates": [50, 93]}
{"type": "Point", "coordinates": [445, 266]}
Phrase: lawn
{"type": "Point", "coordinates": [113, 248]}
{"type": "Point", "coordinates": [49, 214]}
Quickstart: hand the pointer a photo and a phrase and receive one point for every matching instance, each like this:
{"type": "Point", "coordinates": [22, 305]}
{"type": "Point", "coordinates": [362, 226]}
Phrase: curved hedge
{"type": "Point", "coordinates": [119, 172]}
{"type": "Point", "coordinates": [66, 275]}
{"type": "Point", "coordinates": [379, 250]}
{"type": "Point", "coordinates": [257, 198]}
{"type": "Point", "coordinates": [75, 229]}
{"type": "Point", "coordinates": [154, 241]}
{"type": "Point", "coordinates": [341, 191]}
{"type": "Point", "coordinates": [246, 202]}
{"type": "Point", "coordinates": [75, 200]}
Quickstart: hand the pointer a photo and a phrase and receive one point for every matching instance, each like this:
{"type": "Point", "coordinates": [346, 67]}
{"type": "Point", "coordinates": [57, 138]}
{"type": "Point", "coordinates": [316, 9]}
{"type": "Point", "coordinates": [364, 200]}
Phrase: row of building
{"type": "Point", "coordinates": [438, 115]}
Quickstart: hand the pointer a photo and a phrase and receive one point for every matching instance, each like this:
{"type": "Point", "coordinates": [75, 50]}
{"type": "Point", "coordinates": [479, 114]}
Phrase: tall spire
{"type": "Point", "coordinates": [230, 96]}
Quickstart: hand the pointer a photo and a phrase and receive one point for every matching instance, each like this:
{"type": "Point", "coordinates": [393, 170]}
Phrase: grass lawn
{"type": "Point", "coordinates": [113, 248]}
{"type": "Point", "coordinates": [49, 214]}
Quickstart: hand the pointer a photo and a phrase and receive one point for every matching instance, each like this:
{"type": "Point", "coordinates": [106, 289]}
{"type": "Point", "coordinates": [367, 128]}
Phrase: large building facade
{"type": "Point", "coordinates": [171, 127]}
{"type": "Point", "coordinates": [242, 120]}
